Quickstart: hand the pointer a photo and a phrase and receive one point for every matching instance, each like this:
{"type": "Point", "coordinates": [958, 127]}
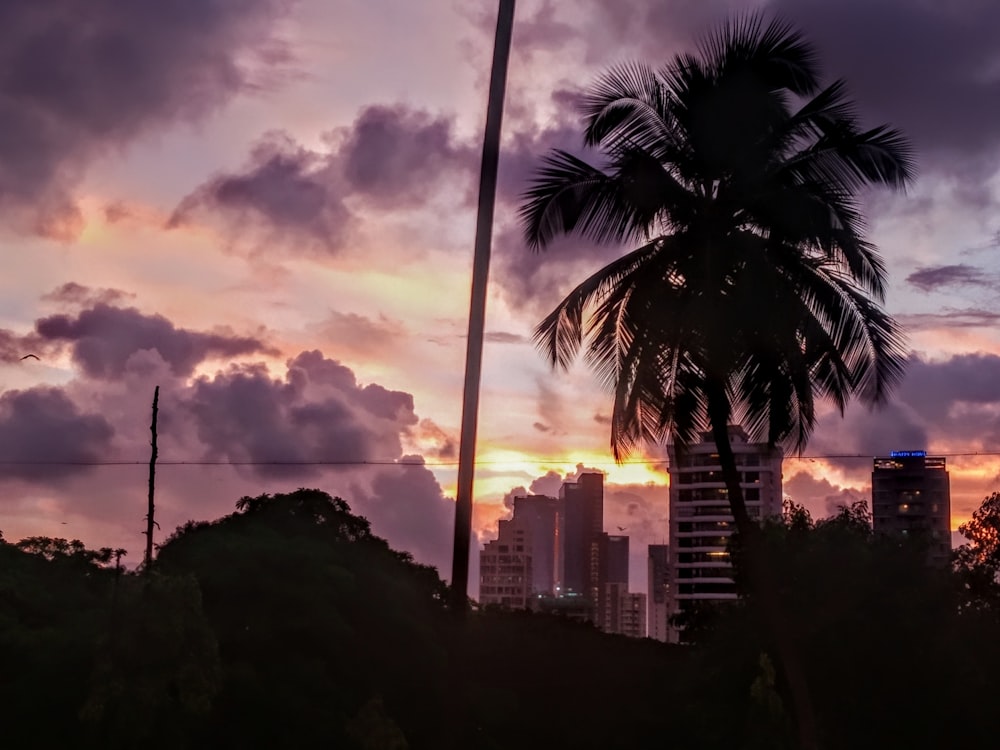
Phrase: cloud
{"type": "Point", "coordinates": [932, 278]}
{"type": "Point", "coordinates": [406, 505]}
{"type": "Point", "coordinates": [821, 497]}
{"type": "Point", "coordinates": [14, 347]}
{"type": "Point", "coordinates": [434, 440]}
{"type": "Point", "coordinates": [391, 157]}
{"type": "Point", "coordinates": [286, 192]}
{"type": "Point", "coordinates": [947, 405]}
{"type": "Point", "coordinates": [83, 80]}
{"type": "Point", "coordinates": [325, 426]}
{"type": "Point", "coordinates": [361, 335]}
{"type": "Point", "coordinates": [72, 293]}
{"type": "Point", "coordinates": [104, 337]}
{"type": "Point", "coordinates": [43, 424]}
{"type": "Point", "coordinates": [950, 318]}
{"type": "Point", "coordinates": [317, 416]}
{"type": "Point", "coordinates": [392, 153]}
{"type": "Point", "coordinates": [504, 337]}
{"type": "Point", "coordinates": [881, 48]}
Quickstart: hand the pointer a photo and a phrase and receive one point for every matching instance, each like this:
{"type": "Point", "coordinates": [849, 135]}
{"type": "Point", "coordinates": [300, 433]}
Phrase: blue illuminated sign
{"type": "Point", "coordinates": [908, 454]}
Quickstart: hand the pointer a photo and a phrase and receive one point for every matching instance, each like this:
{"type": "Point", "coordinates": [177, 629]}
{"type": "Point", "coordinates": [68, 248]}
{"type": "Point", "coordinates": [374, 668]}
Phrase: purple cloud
{"type": "Point", "coordinates": [390, 157]}
{"type": "Point", "coordinates": [14, 348]}
{"type": "Point", "coordinates": [934, 277]}
{"type": "Point", "coordinates": [72, 293]}
{"type": "Point", "coordinates": [82, 80]}
{"type": "Point", "coordinates": [104, 337]}
{"type": "Point", "coordinates": [293, 194]}
{"type": "Point", "coordinates": [950, 318]}
{"type": "Point", "coordinates": [318, 414]}
{"type": "Point", "coordinates": [405, 504]}
{"type": "Point", "coordinates": [44, 425]}
{"type": "Point", "coordinates": [892, 51]}
{"type": "Point", "coordinates": [392, 153]}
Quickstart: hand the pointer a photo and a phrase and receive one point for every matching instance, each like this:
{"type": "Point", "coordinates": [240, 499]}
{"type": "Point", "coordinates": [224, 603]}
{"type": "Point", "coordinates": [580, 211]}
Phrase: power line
{"type": "Point", "coordinates": [494, 462]}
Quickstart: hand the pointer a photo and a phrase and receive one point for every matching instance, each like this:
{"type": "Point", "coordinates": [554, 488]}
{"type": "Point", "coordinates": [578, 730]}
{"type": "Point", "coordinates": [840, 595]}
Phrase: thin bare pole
{"type": "Point", "coordinates": [477, 306]}
{"type": "Point", "coordinates": [147, 561]}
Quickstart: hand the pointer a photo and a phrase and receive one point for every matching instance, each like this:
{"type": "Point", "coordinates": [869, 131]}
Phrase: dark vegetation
{"type": "Point", "coordinates": [288, 624]}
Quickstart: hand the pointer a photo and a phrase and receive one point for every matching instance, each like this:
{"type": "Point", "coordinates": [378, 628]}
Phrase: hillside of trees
{"type": "Point", "coordinates": [288, 624]}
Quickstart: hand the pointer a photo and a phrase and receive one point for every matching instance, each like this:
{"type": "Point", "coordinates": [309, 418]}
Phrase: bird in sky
{"type": "Point", "coordinates": [622, 528]}
{"type": "Point", "coordinates": [30, 356]}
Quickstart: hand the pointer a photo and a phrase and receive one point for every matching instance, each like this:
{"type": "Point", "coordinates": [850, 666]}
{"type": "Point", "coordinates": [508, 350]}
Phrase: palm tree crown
{"type": "Point", "coordinates": [753, 291]}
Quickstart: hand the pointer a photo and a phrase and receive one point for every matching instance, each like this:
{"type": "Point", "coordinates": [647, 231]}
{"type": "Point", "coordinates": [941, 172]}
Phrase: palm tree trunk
{"type": "Point", "coordinates": [760, 579]}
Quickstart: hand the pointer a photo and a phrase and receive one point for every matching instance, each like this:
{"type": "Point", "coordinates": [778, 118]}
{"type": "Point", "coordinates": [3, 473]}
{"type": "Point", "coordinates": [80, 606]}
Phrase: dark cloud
{"type": "Point", "coordinates": [932, 278]}
{"type": "Point", "coordinates": [950, 318]}
{"type": "Point", "coordinates": [820, 496]}
{"type": "Point", "coordinates": [79, 295]}
{"type": "Point", "coordinates": [435, 441]}
{"type": "Point", "coordinates": [532, 33]}
{"type": "Point", "coordinates": [928, 68]}
{"type": "Point", "coordinates": [651, 29]}
{"type": "Point", "coordinates": [391, 157]}
{"type": "Point", "coordinates": [44, 425]}
{"type": "Point", "coordinates": [406, 506]}
{"type": "Point", "coordinates": [946, 405]}
{"type": "Point", "coordinates": [14, 347]}
{"type": "Point", "coordinates": [292, 194]}
{"type": "Point", "coordinates": [536, 282]}
{"type": "Point", "coordinates": [103, 338]}
{"type": "Point", "coordinates": [318, 414]}
{"type": "Point", "coordinates": [81, 80]}
{"type": "Point", "coordinates": [392, 153]}
{"type": "Point", "coordinates": [544, 30]}
{"type": "Point", "coordinates": [504, 337]}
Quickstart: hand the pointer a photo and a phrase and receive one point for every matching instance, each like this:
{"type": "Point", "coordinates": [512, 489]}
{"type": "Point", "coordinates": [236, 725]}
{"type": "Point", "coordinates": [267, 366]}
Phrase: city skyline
{"type": "Point", "coordinates": [271, 217]}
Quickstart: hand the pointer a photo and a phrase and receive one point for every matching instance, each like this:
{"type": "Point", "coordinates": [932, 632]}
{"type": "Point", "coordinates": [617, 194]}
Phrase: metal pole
{"type": "Point", "coordinates": [477, 307]}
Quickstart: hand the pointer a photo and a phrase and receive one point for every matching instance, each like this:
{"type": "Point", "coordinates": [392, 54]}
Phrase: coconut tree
{"type": "Point", "coordinates": [752, 294]}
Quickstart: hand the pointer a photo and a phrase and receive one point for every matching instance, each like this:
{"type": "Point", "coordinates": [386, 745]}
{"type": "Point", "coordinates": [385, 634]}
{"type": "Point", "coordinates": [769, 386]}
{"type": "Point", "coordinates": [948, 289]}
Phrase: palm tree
{"type": "Point", "coordinates": [753, 293]}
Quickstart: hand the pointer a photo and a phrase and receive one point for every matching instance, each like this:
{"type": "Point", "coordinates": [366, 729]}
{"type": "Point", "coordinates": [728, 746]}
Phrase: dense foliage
{"type": "Point", "coordinates": [289, 624]}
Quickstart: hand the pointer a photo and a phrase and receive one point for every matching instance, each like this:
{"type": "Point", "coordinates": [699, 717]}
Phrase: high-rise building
{"type": "Point", "coordinates": [553, 555]}
{"type": "Point", "coordinates": [583, 522]}
{"type": "Point", "coordinates": [911, 496]}
{"type": "Point", "coordinates": [701, 521]}
{"type": "Point", "coordinates": [542, 515]}
{"type": "Point", "coordinates": [658, 585]}
{"type": "Point", "coordinates": [611, 559]}
{"type": "Point", "coordinates": [617, 559]}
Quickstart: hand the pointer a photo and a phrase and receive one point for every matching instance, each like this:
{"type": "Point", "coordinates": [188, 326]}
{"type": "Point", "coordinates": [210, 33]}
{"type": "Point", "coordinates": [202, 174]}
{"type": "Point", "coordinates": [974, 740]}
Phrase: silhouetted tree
{"type": "Point", "coordinates": [157, 669]}
{"type": "Point", "coordinates": [978, 561]}
{"type": "Point", "coordinates": [753, 292]}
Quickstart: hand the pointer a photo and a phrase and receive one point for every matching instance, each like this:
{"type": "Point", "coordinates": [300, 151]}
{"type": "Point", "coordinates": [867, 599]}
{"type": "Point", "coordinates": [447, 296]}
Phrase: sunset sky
{"type": "Point", "coordinates": [266, 207]}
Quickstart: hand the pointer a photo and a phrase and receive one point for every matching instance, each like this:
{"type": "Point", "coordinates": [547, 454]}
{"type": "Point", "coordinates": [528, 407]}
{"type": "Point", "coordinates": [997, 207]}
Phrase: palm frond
{"type": "Point", "coordinates": [776, 53]}
{"type": "Point", "coordinates": [569, 195]}
{"type": "Point", "coordinates": [627, 104]}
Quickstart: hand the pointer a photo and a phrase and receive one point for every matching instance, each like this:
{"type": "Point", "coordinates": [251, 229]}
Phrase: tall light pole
{"type": "Point", "coordinates": [477, 307]}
